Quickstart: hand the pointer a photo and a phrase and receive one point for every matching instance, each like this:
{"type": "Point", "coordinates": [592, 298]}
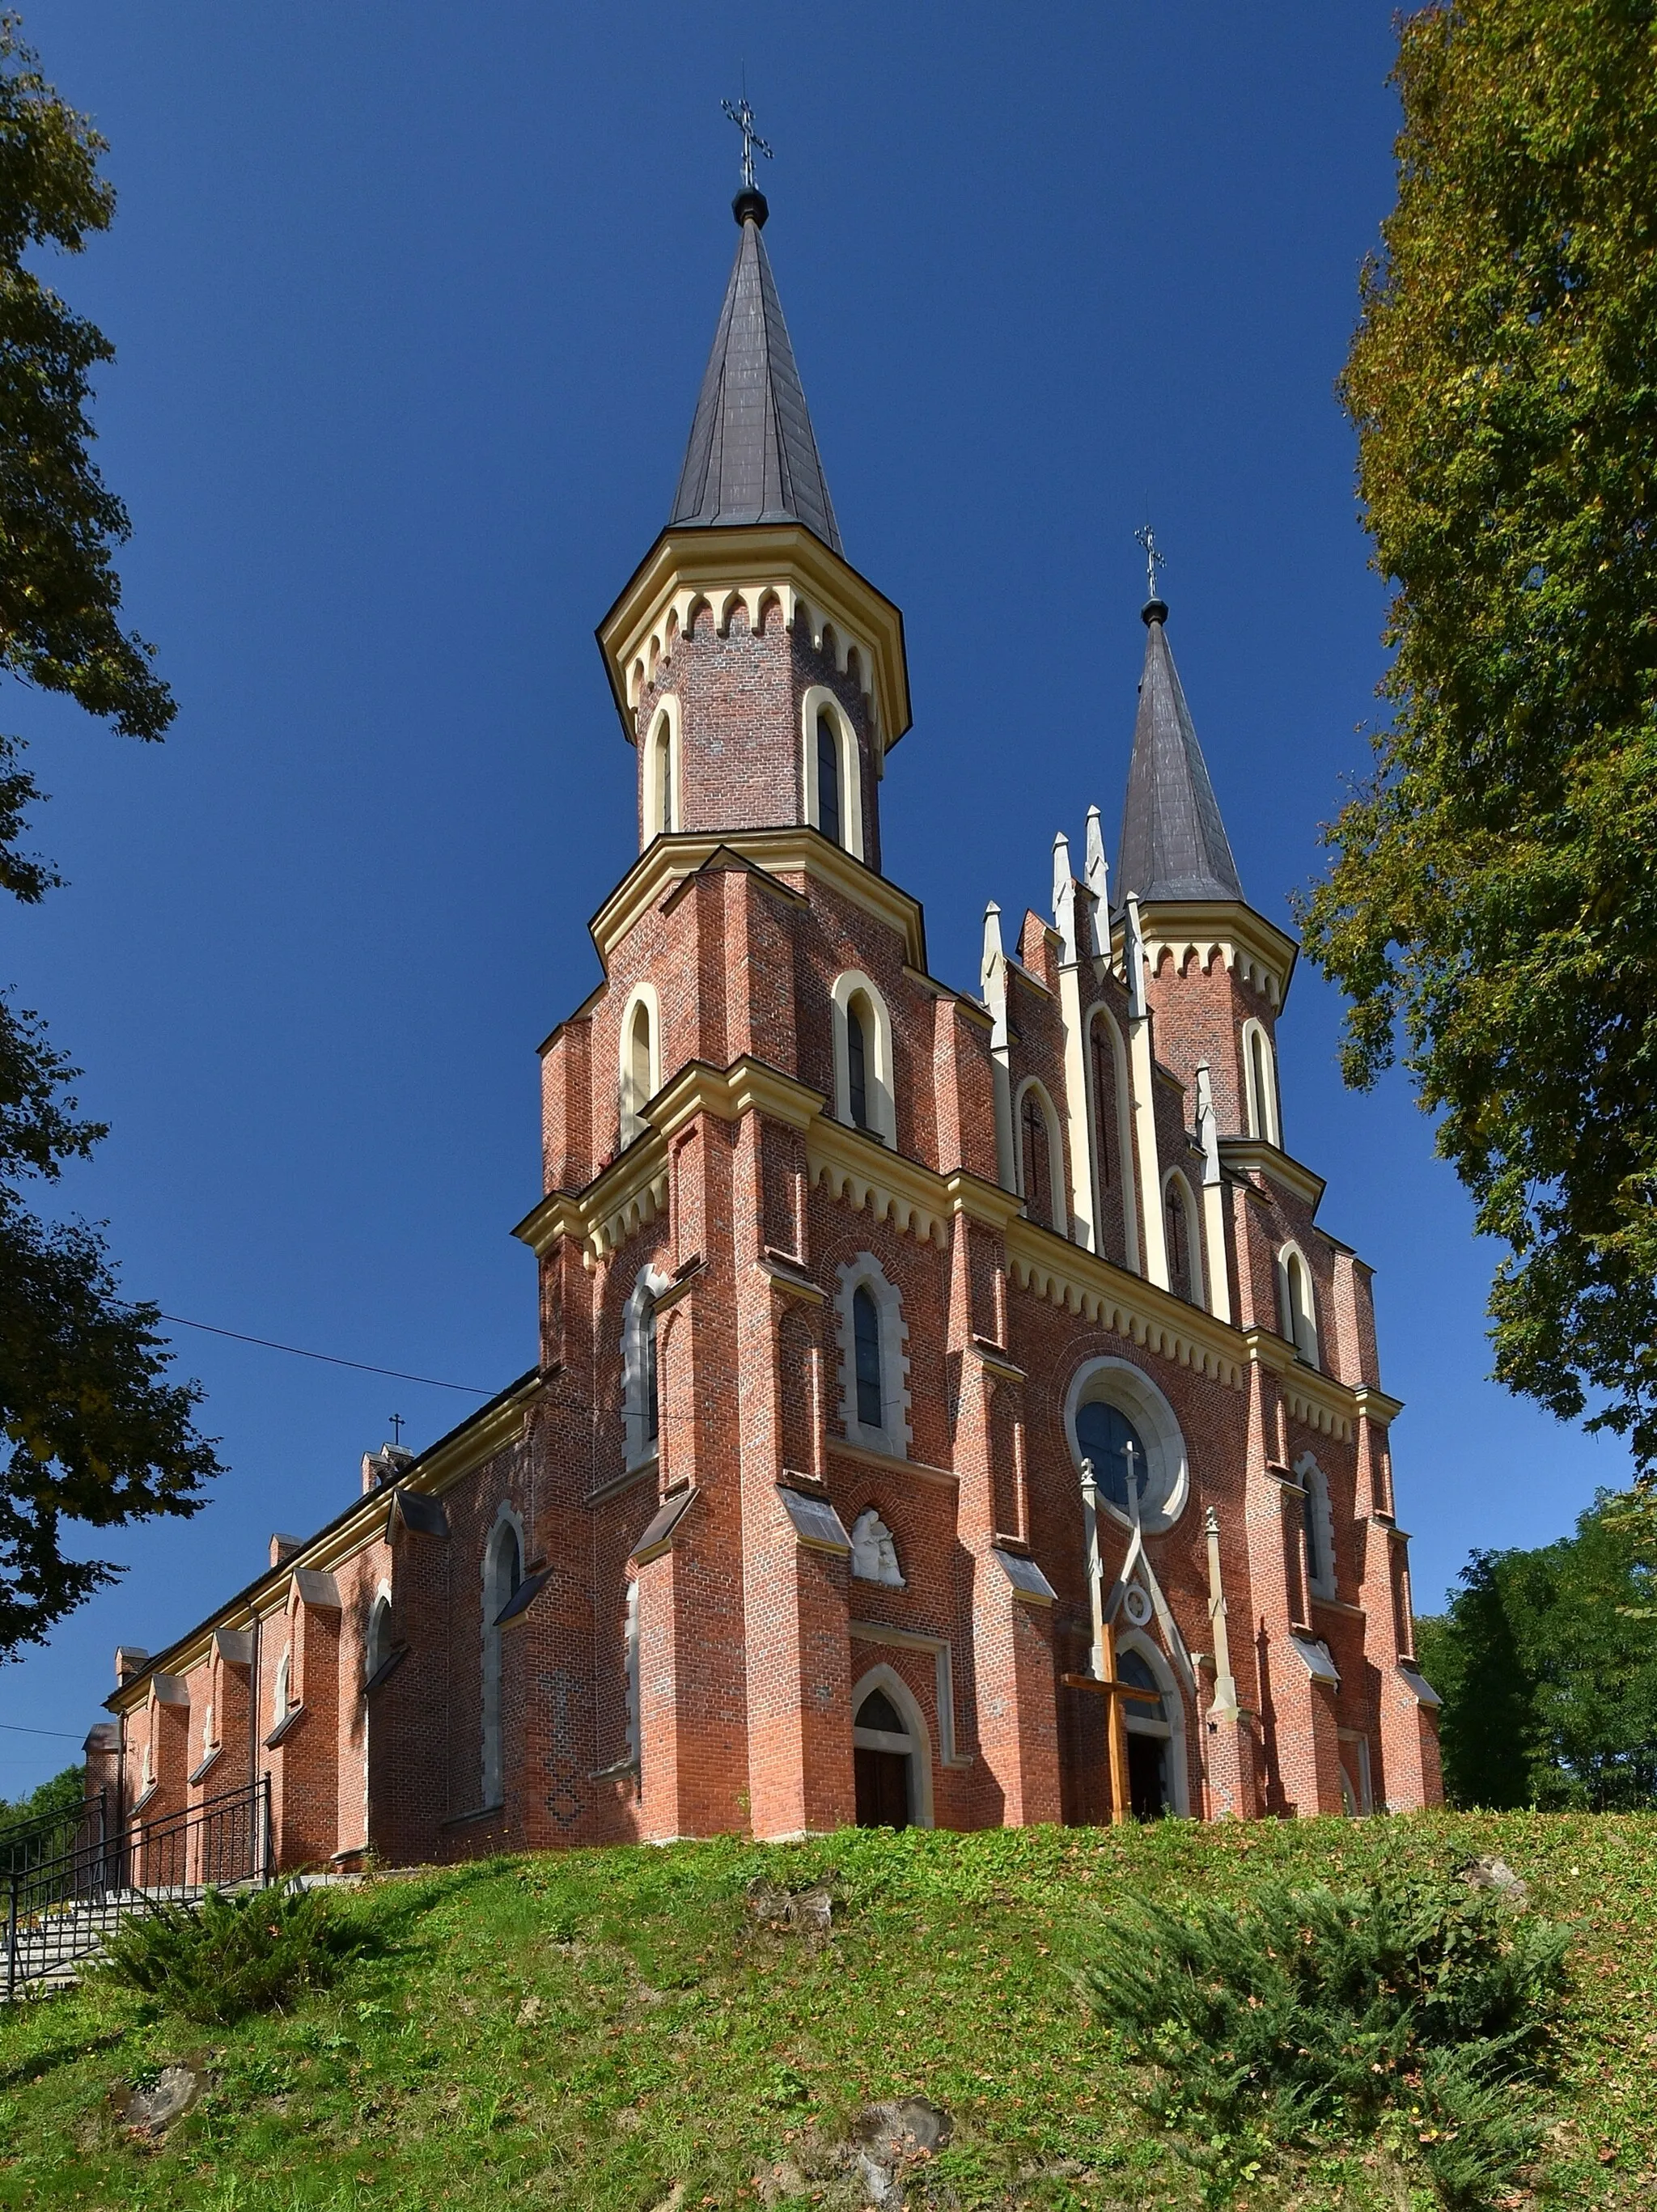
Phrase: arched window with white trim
{"type": "Point", "coordinates": [874, 1358]}
{"type": "Point", "coordinates": [641, 1391]}
{"type": "Point", "coordinates": [641, 1073]}
{"type": "Point", "coordinates": [1299, 1302]}
{"type": "Point", "coordinates": [832, 778]}
{"type": "Point", "coordinates": [828, 778]}
{"type": "Point", "coordinates": [281, 1694]}
{"type": "Point", "coordinates": [1041, 1161]}
{"type": "Point", "coordinates": [1319, 1523]}
{"type": "Point", "coordinates": [377, 1645]}
{"type": "Point", "coordinates": [661, 796]}
{"type": "Point", "coordinates": [1260, 1085]}
{"type": "Point", "coordinates": [503, 1570]}
{"type": "Point", "coordinates": [863, 1093]}
{"type": "Point", "coordinates": [1183, 1232]}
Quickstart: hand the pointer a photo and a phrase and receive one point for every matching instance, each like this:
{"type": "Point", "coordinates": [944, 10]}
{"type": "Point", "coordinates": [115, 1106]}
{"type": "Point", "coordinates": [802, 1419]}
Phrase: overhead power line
{"type": "Point", "coordinates": [331, 1359]}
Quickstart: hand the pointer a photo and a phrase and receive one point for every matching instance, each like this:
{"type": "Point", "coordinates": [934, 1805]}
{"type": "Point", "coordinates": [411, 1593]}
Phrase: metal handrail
{"type": "Point", "coordinates": [59, 1909]}
{"type": "Point", "coordinates": [18, 1839]}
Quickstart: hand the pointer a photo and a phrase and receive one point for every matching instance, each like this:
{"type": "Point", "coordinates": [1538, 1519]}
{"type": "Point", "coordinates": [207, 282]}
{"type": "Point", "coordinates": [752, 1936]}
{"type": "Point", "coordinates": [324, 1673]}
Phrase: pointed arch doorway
{"type": "Point", "coordinates": [891, 1755]}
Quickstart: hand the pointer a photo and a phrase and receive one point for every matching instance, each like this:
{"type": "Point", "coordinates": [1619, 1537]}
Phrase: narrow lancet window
{"type": "Point", "coordinates": [665, 777]}
{"type": "Point", "coordinates": [647, 1359]}
{"type": "Point", "coordinates": [828, 778]}
{"type": "Point", "coordinates": [1178, 1249]}
{"type": "Point", "coordinates": [857, 1064]}
{"type": "Point", "coordinates": [865, 1341]}
{"type": "Point", "coordinates": [1037, 1169]}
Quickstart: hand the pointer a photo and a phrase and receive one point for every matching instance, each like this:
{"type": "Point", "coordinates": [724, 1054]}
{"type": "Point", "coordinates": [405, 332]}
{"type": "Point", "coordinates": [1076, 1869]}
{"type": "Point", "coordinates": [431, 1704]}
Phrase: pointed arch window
{"type": "Point", "coordinates": [653, 1404]}
{"type": "Point", "coordinates": [1183, 1237]}
{"type": "Point", "coordinates": [1260, 1085]}
{"type": "Point", "coordinates": [828, 810]}
{"type": "Point", "coordinates": [640, 1064]}
{"type": "Point", "coordinates": [856, 1063]}
{"type": "Point", "coordinates": [641, 1409]}
{"type": "Point", "coordinates": [1300, 1312]}
{"type": "Point", "coordinates": [659, 774]}
{"type": "Point", "coordinates": [380, 1637]}
{"type": "Point", "coordinates": [1104, 1100]}
{"type": "Point", "coordinates": [1036, 1159]}
{"type": "Point", "coordinates": [665, 777]}
{"type": "Point", "coordinates": [874, 1360]}
{"type": "Point", "coordinates": [1178, 1244]}
{"type": "Point", "coordinates": [864, 1093]}
{"type": "Point", "coordinates": [865, 1338]}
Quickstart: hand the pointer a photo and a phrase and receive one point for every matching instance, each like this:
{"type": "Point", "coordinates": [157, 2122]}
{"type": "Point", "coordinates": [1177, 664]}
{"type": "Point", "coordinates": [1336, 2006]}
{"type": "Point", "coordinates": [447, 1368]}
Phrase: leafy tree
{"type": "Point", "coordinates": [1493, 892]}
{"type": "Point", "coordinates": [1546, 1661]}
{"type": "Point", "coordinates": [65, 1793]}
{"type": "Point", "coordinates": [93, 1433]}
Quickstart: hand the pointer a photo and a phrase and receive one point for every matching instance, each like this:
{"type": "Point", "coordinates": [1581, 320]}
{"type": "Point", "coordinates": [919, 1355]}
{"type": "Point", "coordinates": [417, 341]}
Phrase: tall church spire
{"type": "Point", "coordinates": [752, 456]}
{"type": "Point", "coordinates": [1174, 842]}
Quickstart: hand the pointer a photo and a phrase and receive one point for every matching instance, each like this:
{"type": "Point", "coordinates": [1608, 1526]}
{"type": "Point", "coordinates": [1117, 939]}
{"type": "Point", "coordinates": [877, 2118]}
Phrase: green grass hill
{"type": "Point", "coordinates": [618, 2031]}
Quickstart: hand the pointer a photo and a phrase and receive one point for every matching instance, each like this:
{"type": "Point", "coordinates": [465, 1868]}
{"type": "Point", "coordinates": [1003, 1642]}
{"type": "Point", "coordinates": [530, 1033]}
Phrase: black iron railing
{"type": "Point", "coordinates": [60, 1905]}
{"type": "Point", "coordinates": [24, 1844]}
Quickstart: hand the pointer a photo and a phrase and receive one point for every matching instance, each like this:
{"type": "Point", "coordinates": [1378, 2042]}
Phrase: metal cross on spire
{"type": "Point", "coordinates": [1146, 537]}
{"type": "Point", "coordinates": [742, 116]}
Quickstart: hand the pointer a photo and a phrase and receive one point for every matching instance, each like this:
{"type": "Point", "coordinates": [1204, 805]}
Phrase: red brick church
{"type": "Point", "coordinates": [912, 1359]}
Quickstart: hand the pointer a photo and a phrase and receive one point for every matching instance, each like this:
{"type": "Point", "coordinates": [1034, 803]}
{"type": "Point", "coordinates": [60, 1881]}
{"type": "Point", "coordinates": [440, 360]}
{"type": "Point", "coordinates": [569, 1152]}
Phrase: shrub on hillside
{"type": "Point", "coordinates": [228, 1956]}
{"type": "Point", "coordinates": [1416, 2012]}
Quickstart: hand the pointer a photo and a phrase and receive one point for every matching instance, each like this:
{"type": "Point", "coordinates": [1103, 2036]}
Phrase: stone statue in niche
{"type": "Point", "coordinates": [874, 1551]}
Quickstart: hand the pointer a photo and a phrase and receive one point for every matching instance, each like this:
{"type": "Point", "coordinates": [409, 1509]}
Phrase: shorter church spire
{"type": "Point", "coordinates": [1174, 842]}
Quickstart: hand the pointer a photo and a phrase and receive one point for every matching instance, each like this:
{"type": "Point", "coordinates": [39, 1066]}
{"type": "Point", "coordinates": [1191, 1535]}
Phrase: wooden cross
{"type": "Point", "coordinates": [1105, 1681]}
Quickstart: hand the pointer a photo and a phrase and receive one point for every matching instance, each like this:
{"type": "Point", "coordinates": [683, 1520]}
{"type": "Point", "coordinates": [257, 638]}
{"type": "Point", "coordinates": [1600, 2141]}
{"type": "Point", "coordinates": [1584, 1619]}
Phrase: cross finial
{"type": "Point", "coordinates": [395, 1420]}
{"type": "Point", "coordinates": [1146, 537]}
{"type": "Point", "coordinates": [742, 116]}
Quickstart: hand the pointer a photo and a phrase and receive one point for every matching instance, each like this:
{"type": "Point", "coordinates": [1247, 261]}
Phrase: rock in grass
{"type": "Point", "coordinates": [151, 2111]}
{"type": "Point", "coordinates": [887, 2138]}
{"type": "Point", "coordinates": [807, 1911]}
{"type": "Point", "coordinates": [1495, 1874]}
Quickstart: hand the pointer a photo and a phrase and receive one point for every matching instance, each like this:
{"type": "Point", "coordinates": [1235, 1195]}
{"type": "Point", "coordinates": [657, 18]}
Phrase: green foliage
{"type": "Point", "coordinates": [95, 1434]}
{"type": "Point", "coordinates": [59, 594]}
{"type": "Point", "coordinates": [585, 2029]}
{"type": "Point", "coordinates": [1409, 2009]}
{"type": "Point", "coordinates": [65, 1793]}
{"type": "Point", "coordinates": [89, 1430]}
{"type": "Point", "coordinates": [229, 1956]}
{"type": "Point", "coordinates": [1494, 889]}
{"type": "Point", "coordinates": [1546, 1661]}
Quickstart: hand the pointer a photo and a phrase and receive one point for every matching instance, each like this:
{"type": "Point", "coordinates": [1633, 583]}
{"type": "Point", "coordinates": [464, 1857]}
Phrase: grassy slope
{"type": "Point", "coordinates": [584, 2030]}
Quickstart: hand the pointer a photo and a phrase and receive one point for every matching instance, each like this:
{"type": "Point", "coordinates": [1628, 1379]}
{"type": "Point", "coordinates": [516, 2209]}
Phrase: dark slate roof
{"type": "Point", "coordinates": [1174, 842]}
{"type": "Point", "coordinates": [752, 456]}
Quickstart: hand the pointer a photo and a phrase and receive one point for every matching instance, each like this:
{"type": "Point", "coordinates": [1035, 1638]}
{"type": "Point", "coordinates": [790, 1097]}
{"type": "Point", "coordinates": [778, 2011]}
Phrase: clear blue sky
{"type": "Point", "coordinates": [411, 305]}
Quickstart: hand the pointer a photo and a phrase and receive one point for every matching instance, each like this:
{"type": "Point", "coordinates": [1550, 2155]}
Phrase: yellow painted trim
{"type": "Point", "coordinates": [684, 565]}
{"type": "Point", "coordinates": [1254, 1154]}
{"type": "Point", "coordinates": [795, 849]}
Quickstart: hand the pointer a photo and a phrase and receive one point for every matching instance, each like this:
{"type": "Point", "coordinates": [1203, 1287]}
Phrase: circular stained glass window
{"type": "Point", "coordinates": [1107, 1437]}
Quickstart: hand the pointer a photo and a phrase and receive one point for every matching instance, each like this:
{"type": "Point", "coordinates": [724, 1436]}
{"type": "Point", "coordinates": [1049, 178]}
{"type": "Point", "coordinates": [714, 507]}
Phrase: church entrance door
{"type": "Point", "coordinates": [883, 1788]}
{"type": "Point", "coordinates": [1147, 1776]}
